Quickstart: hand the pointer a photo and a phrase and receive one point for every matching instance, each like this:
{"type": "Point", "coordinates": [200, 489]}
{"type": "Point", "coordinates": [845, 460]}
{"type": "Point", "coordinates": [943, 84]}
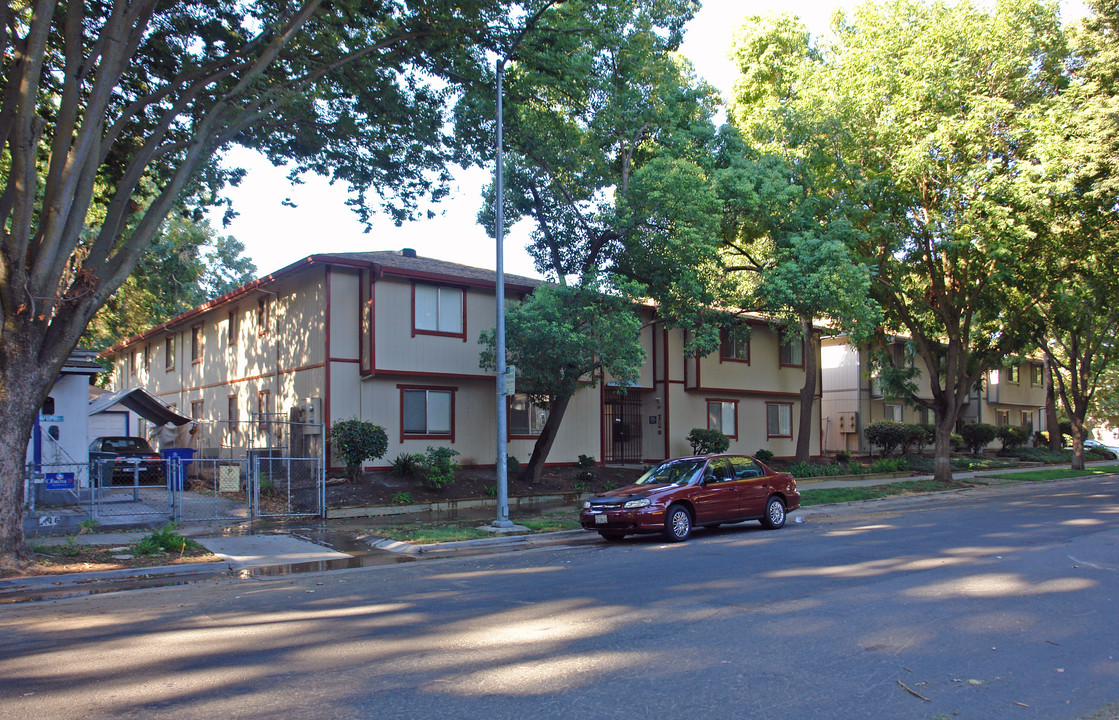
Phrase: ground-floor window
{"type": "Point", "coordinates": [1002, 417]}
{"type": "Point", "coordinates": [427, 411]}
{"type": "Point", "coordinates": [891, 413]}
{"type": "Point", "coordinates": [779, 419]}
{"type": "Point", "coordinates": [525, 416]}
{"type": "Point", "coordinates": [722, 415]}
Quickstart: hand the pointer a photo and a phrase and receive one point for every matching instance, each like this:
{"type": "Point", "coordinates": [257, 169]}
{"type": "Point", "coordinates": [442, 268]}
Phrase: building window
{"type": "Point", "coordinates": [264, 409]}
{"type": "Point", "coordinates": [722, 415]}
{"type": "Point", "coordinates": [891, 413]}
{"type": "Point", "coordinates": [526, 418]}
{"type": "Point", "coordinates": [1028, 420]}
{"type": "Point", "coordinates": [427, 412]}
{"type": "Point", "coordinates": [169, 353]}
{"type": "Point", "coordinates": [1011, 374]}
{"type": "Point", "coordinates": [132, 364]}
{"type": "Point", "coordinates": [1037, 376]}
{"type": "Point", "coordinates": [196, 410]}
{"type": "Point", "coordinates": [147, 357]}
{"type": "Point", "coordinates": [233, 328]}
{"type": "Point", "coordinates": [437, 310]}
{"type": "Point", "coordinates": [732, 348]}
{"type": "Point", "coordinates": [48, 406]}
{"type": "Point", "coordinates": [779, 419]}
{"type": "Point", "coordinates": [1002, 417]}
{"type": "Point", "coordinates": [262, 312]}
{"type": "Point", "coordinates": [792, 354]}
{"type": "Point", "coordinates": [233, 413]}
{"type": "Point", "coordinates": [196, 344]}
{"type": "Point", "coordinates": [923, 415]}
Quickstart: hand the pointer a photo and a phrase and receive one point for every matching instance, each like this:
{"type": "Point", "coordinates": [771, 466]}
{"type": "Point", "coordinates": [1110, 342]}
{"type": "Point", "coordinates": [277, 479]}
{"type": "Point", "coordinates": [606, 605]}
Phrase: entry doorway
{"type": "Point", "coordinates": [622, 424]}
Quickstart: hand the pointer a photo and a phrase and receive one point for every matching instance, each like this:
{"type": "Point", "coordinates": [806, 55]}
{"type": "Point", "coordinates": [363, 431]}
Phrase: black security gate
{"type": "Point", "coordinates": [623, 427]}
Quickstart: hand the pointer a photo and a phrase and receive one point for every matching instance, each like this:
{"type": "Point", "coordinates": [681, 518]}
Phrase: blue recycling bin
{"type": "Point", "coordinates": [176, 471]}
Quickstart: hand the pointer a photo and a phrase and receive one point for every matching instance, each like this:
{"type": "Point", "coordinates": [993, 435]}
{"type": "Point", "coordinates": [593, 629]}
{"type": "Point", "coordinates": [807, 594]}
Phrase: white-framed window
{"type": "Point", "coordinates": [437, 310]}
{"type": "Point", "coordinates": [722, 415]}
{"type": "Point", "coordinates": [427, 411]}
{"type": "Point", "coordinates": [1037, 375]}
{"type": "Point", "coordinates": [525, 416]}
{"type": "Point", "coordinates": [792, 353]}
{"type": "Point", "coordinates": [196, 344]}
{"type": "Point", "coordinates": [891, 413]}
{"type": "Point", "coordinates": [779, 419]}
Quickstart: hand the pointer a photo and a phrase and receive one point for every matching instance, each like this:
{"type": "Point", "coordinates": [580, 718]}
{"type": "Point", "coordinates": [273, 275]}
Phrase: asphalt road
{"type": "Point", "coordinates": [988, 603]}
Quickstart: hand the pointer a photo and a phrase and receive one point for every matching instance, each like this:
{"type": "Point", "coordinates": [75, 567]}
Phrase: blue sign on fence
{"type": "Point", "coordinates": [59, 481]}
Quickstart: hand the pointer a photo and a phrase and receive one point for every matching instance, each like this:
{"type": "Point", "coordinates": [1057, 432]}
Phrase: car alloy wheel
{"type": "Point", "coordinates": [774, 513]}
{"type": "Point", "coordinates": [678, 523]}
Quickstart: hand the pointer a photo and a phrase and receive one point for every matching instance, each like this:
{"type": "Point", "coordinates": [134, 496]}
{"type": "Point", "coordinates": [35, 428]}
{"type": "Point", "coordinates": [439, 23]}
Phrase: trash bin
{"type": "Point", "coordinates": [176, 471]}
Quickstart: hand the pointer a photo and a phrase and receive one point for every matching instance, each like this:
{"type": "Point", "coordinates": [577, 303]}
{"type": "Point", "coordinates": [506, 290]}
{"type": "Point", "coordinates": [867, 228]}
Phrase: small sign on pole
{"type": "Point", "coordinates": [511, 380]}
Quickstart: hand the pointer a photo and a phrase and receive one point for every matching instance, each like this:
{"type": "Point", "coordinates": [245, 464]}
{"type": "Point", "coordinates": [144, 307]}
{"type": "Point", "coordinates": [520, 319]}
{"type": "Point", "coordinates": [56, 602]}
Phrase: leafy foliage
{"type": "Point", "coordinates": [1013, 436]}
{"type": "Point", "coordinates": [977, 436]}
{"type": "Point", "coordinates": [887, 435]}
{"type": "Point", "coordinates": [437, 467]}
{"type": "Point", "coordinates": [164, 540]}
{"type": "Point", "coordinates": [764, 455]}
{"type": "Point", "coordinates": [405, 465]}
{"type": "Point", "coordinates": [707, 442]}
{"type": "Point", "coordinates": [356, 441]}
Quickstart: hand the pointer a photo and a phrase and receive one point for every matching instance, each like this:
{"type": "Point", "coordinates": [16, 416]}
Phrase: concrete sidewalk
{"type": "Point", "coordinates": [262, 551]}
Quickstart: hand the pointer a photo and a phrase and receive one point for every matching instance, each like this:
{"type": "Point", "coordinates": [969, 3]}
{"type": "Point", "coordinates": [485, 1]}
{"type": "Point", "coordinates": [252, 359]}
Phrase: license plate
{"type": "Point", "coordinates": [600, 519]}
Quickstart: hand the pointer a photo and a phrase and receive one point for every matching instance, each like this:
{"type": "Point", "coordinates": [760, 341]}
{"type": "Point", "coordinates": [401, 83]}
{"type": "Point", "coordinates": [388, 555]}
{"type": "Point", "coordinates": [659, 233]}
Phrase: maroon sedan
{"type": "Point", "coordinates": [679, 494]}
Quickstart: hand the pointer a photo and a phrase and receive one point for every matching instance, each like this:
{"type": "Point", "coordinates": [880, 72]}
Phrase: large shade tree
{"type": "Point", "coordinates": [924, 111]}
{"type": "Point", "coordinates": [608, 137]}
{"type": "Point", "coordinates": [111, 114]}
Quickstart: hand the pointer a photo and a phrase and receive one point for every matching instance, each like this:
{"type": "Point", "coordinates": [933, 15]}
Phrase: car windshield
{"type": "Point", "coordinates": [127, 445]}
{"type": "Point", "coordinates": [673, 472]}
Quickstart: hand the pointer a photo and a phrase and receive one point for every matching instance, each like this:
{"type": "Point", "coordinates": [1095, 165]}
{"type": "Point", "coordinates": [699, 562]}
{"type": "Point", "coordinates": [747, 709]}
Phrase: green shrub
{"type": "Point", "coordinates": [764, 455]}
{"type": "Point", "coordinates": [976, 436]}
{"type": "Point", "coordinates": [889, 465]}
{"type": "Point", "coordinates": [1013, 436]}
{"type": "Point", "coordinates": [403, 498]}
{"type": "Point", "coordinates": [405, 465]}
{"type": "Point", "coordinates": [928, 435]}
{"type": "Point", "coordinates": [162, 541]}
{"type": "Point", "coordinates": [356, 441]}
{"type": "Point", "coordinates": [808, 470]}
{"type": "Point", "coordinates": [512, 466]}
{"type": "Point", "coordinates": [888, 435]}
{"type": "Point", "coordinates": [843, 456]}
{"type": "Point", "coordinates": [956, 440]}
{"type": "Point", "coordinates": [437, 467]}
{"type": "Point", "coordinates": [586, 461]}
{"type": "Point", "coordinates": [608, 485]}
{"type": "Point", "coordinates": [707, 442]}
{"type": "Point", "coordinates": [491, 490]}
{"type": "Point", "coordinates": [582, 487]}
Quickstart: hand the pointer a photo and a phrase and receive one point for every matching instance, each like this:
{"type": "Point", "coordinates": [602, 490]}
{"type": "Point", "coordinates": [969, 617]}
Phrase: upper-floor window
{"type": "Point", "coordinates": [722, 415]}
{"type": "Point", "coordinates": [1037, 375]}
{"type": "Point", "coordinates": [132, 363]}
{"type": "Point", "coordinates": [1011, 374]}
{"type": "Point", "coordinates": [779, 419]}
{"type": "Point", "coordinates": [196, 344]}
{"type": "Point", "coordinates": [438, 310]}
{"type": "Point", "coordinates": [792, 353]}
{"type": "Point", "coordinates": [233, 328]}
{"type": "Point", "coordinates": [733, 347]}
{"type": "Point", "coordinates": [147, 356]}
{"type": "Point", "coordinates": [169, 353]}
{"type": "Point", "coordinates": [262, 311]}
{"type": "Point", "coordinates": [427, 411]}
{"type": "Point", "coordinates": [525, 416]}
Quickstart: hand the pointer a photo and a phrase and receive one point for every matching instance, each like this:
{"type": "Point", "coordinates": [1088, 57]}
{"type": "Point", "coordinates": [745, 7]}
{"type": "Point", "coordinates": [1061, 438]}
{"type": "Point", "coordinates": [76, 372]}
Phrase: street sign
{"type": "Point", "coordinates": [510, 379]}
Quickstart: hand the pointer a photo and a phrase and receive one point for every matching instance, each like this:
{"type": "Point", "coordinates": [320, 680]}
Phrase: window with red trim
{"type": "Point", "coordinates": [427, 412]}
{"type": "Point", "coordinates": [722, 415]}
{"type": "Point", "coordinates": [438, 310]}
{"type": "Point", "coordinates": [779, 419]}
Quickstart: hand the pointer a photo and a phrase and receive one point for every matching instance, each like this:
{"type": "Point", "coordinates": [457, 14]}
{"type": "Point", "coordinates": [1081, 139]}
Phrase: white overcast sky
{"type": "Point", "coordinates": [276, 235]}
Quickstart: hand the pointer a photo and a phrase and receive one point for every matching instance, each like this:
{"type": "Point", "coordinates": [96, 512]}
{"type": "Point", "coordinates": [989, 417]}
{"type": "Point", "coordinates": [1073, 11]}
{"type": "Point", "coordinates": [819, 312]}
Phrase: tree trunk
{"type": "Point", "coordinates": [556, 410]}
{"type": "Point", "coordinates": [807, 393]}
{"type": "Point", "coordinates": [942, 456]}
{"type": "Point", "coordinates": [24, 385]}
{"type": "Point", "coordinates": [1051, 421]}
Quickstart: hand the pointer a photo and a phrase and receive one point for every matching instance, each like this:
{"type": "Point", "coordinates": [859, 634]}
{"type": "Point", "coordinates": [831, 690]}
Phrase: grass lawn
{"type": "Point", "coordinates": [454, 530]}
{"type": "Point", "coordinates": [1055, 474]}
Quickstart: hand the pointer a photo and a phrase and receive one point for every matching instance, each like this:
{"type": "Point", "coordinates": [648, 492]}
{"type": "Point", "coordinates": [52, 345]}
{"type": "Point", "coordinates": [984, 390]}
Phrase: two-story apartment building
{"type": "Point", "coordinates": [393, 338]}
{"type": "Point", "coordinates": [852, 398]}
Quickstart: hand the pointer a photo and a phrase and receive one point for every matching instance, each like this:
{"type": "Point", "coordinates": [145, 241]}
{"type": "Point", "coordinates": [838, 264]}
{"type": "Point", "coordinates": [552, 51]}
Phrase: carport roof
{"type": "Point", "coordinates": [141, 402]}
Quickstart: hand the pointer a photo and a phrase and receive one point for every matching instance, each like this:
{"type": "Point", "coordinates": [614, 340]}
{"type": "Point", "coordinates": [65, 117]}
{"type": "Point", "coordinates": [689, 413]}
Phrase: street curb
{"type": "Point", "coordinates": [60, 585]}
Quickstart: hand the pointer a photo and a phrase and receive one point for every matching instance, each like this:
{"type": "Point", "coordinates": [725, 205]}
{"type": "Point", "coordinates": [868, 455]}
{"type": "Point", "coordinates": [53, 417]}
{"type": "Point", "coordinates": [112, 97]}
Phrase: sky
{"type": "Point", "coordinates": [276, 234]}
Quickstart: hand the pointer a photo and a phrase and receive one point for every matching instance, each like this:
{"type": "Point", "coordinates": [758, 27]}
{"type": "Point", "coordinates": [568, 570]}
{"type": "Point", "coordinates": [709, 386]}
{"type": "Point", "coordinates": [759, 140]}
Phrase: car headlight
{"type": "Point", "coordinates": [643, 502]}
{"type": "Point", "coordinates": [586, 504]}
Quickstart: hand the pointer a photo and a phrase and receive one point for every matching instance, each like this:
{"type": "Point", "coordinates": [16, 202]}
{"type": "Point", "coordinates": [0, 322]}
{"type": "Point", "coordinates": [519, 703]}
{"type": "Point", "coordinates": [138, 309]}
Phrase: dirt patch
{"type": "Point", "coordinates": [381, 488]}
{"type": "Point", "coordinates": [88, 558]}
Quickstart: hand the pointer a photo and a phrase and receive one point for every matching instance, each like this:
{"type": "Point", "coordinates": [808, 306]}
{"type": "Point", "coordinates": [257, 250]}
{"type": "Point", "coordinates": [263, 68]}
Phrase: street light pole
{"type": "Point", "coordinates": [502, 520]}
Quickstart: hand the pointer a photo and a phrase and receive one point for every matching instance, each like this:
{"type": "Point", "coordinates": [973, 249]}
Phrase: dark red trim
{"type": "Point", "coordinates": [748, 393]}
{"type": "Point", "coordinates": [723, 338]}
{"type": "Point", "coordinates": [326, 370]}
{"type": "Point", "coordinates": [667, 415]}
{"type": "Point", "coordinates": [438, 333]}
{"type": "Point", "coordinates": [355, 361]}
{"type": "Point", "coordinates": [421, 373]}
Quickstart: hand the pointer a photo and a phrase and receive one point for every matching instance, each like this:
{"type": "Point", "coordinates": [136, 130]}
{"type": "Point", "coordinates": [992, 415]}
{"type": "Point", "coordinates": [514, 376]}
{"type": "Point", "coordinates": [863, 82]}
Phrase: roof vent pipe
{"type": "Point", "coordinates": [408, 252]}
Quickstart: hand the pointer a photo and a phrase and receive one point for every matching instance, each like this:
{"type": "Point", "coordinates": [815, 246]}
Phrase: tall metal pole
{"type": "Point", "coordinates": [502, 519]}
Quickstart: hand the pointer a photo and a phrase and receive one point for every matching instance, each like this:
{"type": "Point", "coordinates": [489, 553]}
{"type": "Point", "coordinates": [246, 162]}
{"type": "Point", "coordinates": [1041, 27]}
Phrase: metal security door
{"type": "Point", "coordinates": [622, 420]}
